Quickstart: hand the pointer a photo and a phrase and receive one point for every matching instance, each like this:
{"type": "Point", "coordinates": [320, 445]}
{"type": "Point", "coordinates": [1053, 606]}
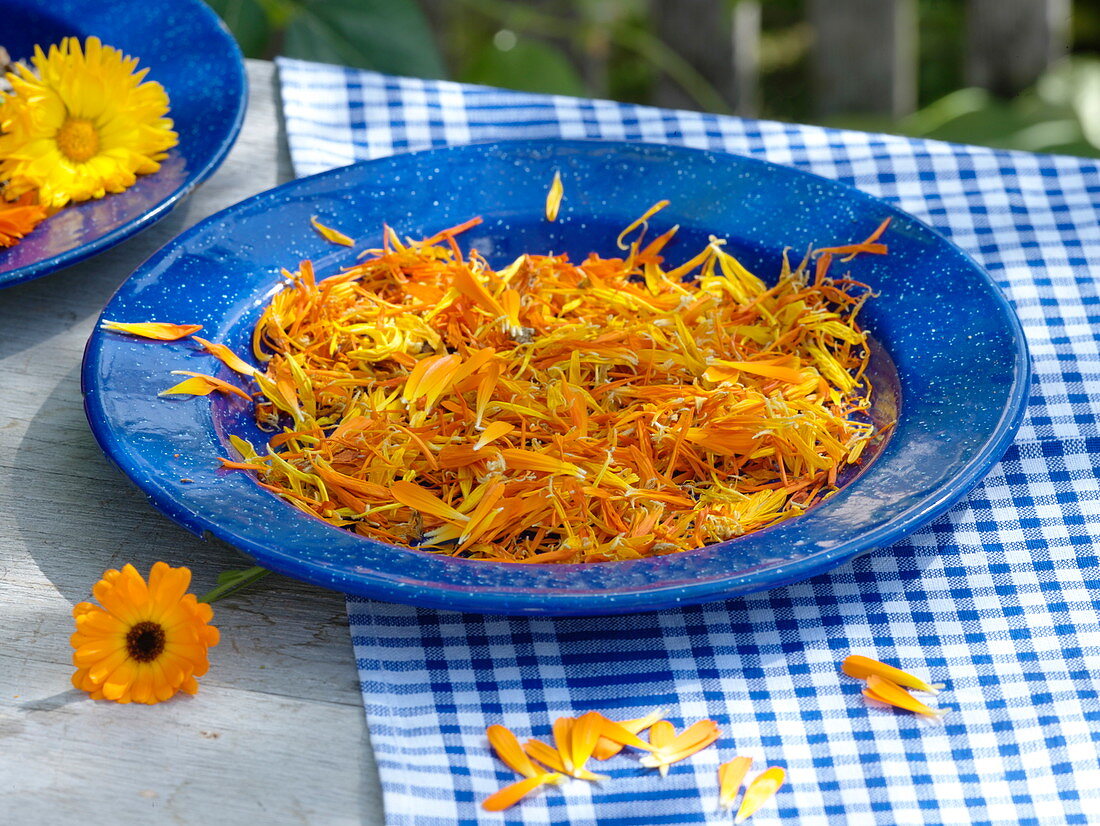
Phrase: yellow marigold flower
{"type": "Point", "coordinates": [147, 642]}
{"type": "Point", "coordinates": [81, 123]}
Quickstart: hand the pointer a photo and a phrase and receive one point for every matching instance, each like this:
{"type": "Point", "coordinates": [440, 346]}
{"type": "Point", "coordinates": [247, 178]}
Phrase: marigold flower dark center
{"type": "Point", "coordinates": [145, 641]}
{"type": "Point", "coordinates": [78, 140]}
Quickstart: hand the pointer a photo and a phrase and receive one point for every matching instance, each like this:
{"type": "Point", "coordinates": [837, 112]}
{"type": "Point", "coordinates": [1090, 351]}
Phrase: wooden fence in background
{"type": "Point", "coordinates": [864, 53]}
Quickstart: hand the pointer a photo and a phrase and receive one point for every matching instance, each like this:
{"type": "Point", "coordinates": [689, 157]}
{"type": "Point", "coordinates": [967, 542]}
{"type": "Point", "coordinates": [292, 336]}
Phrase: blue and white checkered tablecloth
{"type": "Point", "coordinates": [1000, 597]}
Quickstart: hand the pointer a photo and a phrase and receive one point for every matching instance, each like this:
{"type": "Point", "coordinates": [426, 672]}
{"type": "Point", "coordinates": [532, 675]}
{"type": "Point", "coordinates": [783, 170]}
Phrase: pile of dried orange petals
{"type": "Point", "coordinates": [553, 411]}
{"type": "Point", "coordinates": [576, 740]}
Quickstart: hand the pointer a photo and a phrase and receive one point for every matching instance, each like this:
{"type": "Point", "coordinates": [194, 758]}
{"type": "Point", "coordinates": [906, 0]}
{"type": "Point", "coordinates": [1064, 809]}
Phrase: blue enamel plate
{"type": "Point", "coordinates": [187, 50]}
{"type": "Point", "coordinates": [952, 359]}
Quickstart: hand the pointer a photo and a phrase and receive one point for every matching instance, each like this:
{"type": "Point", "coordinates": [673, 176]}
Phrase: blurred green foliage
{"type": "Point", "coordinates": [1060, 114]}
{"type": "Point", "coordinates": [611, 48]}
{"type": "Point", "coordinates": [387, 35]}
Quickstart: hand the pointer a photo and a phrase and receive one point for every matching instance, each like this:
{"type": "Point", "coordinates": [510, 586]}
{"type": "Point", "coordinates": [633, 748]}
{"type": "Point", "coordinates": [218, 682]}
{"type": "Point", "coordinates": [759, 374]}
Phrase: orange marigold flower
{"type": "Point", "coordinates": [147, 642]}
{"type": "Point", "coordinates": [19, 217]}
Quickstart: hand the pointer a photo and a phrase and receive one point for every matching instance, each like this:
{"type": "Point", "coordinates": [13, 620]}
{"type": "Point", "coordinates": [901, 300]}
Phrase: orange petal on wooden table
{"type": "Point", "coordinates": [863, 667]}
{"type": "Point", "coordinates": [330, 234]}
{"type": "Point", "coordinates": [226, 356]}
{"type": "Point", "coordinates": [158, 330]}
{"type": "Point", "coordinates": [511, 795]}
{"type": "Point", "coordinates": [889, 692]}
{"type": "Point", "coordinates": [760, 791]}
{"type": "Point", "coordinates": [730, 777]}
{"type": "Point", "coordinates": [201, 385]}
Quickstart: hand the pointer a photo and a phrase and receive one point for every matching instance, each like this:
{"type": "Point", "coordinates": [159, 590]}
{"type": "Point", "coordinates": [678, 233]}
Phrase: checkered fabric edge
{"type": "Point", "coordinates": [1000, 597]}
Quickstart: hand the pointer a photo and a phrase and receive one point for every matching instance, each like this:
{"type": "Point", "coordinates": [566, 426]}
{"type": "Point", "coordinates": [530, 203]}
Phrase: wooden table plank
{"type": "Point", "coordinates": [277, 730]}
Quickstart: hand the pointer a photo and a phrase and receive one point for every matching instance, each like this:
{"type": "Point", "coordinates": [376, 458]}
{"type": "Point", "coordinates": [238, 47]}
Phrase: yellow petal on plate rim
{"type": "Point", "coordinates": [226, 356]}
{"type": "Point", "coordinates": [330, 234]}
{"type": "Point", "coordinates": [199, 384]}
{"type": "Point", "coordinates": [553, 197]}
{"type": "Point", "coordinates": [157, 330]}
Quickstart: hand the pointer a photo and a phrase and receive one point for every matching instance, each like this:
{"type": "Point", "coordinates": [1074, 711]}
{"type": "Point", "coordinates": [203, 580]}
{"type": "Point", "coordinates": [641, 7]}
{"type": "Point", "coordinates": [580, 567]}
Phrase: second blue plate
{"type": "Point", "coordinates": [187, 50]}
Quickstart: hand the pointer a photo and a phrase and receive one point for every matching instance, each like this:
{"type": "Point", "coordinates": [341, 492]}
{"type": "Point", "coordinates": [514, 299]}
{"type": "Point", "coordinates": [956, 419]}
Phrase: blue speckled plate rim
{"type": "Point", "coordinates": [46, 266]}
{"type": "Point", "coordinates": [377, 585]}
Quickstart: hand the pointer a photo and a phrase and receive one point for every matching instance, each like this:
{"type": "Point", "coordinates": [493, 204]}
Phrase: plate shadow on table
{"type": "Point", "coordinates": [281, 637]}
{"type": "Point", "coordinates": [62, 475]}
{"type": "Point", "coordinates": [42, 308]}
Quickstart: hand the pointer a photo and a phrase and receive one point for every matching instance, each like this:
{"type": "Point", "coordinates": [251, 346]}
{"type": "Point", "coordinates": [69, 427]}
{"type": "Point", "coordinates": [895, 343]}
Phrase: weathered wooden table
{"type": "Point", "coordinates": [277, 730]}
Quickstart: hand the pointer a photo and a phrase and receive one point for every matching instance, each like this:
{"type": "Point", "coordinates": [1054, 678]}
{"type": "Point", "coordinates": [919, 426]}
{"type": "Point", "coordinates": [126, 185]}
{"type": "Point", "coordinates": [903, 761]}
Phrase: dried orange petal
{"type": "Point", "coordinates": [511, 795]}
{"type": "Point", "coordinates": [158, 330]}
{"type": "Point", "coordinates": [553, 198]}
{"type": "Point", "coordinates": [886, 691]}
{"type": "Point", "coordinates": [730, 777]}
{"type": "Point", "coordinates": [226, 356]}
{"type": "Point", "coordinates": [760, 791]}
{"type": "Point", "coordinates": [508, 749]}
{"type": "Point", "coordinates": [861, 668]}
{"type": "Point", "coordinates": [330, 234]}
{"type": "Point", "coordinates": [202, 385]}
